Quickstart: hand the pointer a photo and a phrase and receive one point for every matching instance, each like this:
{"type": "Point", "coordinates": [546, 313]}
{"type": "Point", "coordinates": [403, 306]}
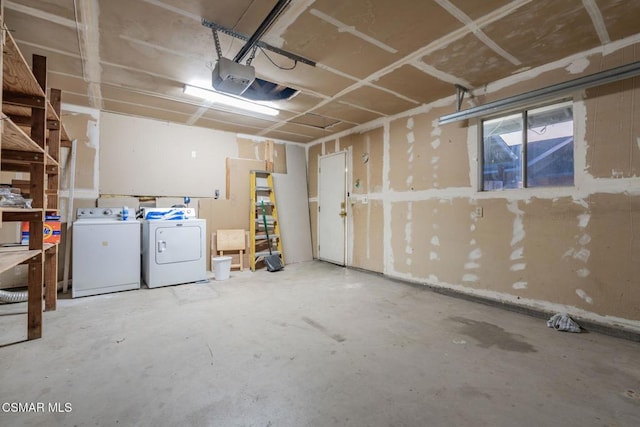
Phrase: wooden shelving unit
{"type": "Point", "coordinates": [32, 134]}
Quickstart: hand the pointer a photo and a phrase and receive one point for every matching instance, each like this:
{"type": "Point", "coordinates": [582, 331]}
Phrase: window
{"type": "Point", "coordinates": [540, 157]}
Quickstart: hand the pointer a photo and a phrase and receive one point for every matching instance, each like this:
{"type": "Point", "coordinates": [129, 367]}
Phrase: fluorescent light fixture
{"type": "Point", "coordinates": [218, 98]}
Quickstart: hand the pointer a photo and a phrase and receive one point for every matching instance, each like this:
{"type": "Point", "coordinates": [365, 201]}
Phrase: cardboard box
{"type": "Point", "coordinates": [51, 232]}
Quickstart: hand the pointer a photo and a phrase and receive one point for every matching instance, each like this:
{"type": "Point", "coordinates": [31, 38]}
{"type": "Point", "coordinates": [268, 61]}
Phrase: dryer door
{"type": "Point", "coordinates": [178, 242]}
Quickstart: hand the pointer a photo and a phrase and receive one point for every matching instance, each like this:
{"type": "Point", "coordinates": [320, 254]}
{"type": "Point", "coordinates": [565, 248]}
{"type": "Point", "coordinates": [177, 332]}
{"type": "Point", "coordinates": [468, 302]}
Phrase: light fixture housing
{"type": "Point", "coordinates": [230, 101]}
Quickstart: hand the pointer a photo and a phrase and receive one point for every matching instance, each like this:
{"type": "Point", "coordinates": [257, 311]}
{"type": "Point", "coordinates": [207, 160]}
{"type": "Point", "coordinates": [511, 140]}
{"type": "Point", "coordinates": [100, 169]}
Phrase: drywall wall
{"type": "Point", "coordinates": [222, 214]}
{"type": "Point", "coordinates": [82, 124]}
{"type": "Point", "coordinates": [257, 149]}
{"type": "Point", "coordinates": [142, 157]}
{"type": "Point", "coordinates": [365, 222]}
{"type": "Point", "coordinates": [239, 187]}
{"type": "Point", "coordinates": [570, 249]}
{"type": "Point", "coordinates": [291, 199]}
{"type": "Point", "coordinates": [153, 158]}
{"type": "Point", "coordinates": [293, 207]}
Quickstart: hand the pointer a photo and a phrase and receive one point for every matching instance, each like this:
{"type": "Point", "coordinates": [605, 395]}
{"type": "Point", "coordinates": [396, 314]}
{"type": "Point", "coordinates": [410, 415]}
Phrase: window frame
{"type": "Point", "coordinates": [523, 112]}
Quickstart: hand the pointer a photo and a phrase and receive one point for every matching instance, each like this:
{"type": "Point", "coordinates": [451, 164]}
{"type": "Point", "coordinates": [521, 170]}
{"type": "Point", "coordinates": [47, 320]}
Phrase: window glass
{"type": "Point", "coordinates": [502, 146]}
{"type": "Point", "coordinates": [550, 146]}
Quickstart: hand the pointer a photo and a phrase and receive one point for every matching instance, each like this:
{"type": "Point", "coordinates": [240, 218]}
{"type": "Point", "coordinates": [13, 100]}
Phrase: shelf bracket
{"type": "Point", "coordinates": [461, 91]}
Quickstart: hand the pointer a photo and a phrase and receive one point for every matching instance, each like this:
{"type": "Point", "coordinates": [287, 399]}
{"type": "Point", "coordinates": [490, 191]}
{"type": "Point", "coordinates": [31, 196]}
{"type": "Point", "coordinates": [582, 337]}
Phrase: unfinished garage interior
{"type": "Point", "coordinates": [457, 186]}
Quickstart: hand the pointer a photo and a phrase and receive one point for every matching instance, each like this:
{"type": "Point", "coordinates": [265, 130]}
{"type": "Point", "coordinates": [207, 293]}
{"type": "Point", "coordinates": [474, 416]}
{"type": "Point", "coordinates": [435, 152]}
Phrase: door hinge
{"type": "Point", "coordinates": [318, 208]}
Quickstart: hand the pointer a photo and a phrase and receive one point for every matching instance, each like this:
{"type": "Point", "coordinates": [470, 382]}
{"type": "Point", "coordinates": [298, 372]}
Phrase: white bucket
{"type": "Point", "coordinates": [221, 267]}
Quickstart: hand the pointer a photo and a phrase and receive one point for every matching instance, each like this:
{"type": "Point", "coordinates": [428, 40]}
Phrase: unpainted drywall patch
{"type": "Point", "coordinates": [582, 272]}
{"type": "Point", "coordinates": [517, 242]}
{"type": "Point", "coordinates": [375, 164]}
{"type": "Point", "coordinates": [470, 278]}
{"type": "Point", "coordinates": [93, 134]}
{"type": "Point", "coordinates": [435, 240]}
{"type": "Point", "coordinates": [84, 128]}
{"type": "Point", "coordinates": [518, 225]}
{"type": "Point", "coordinates": [578, 66]}
{"type": "Point", "coordinates": [314, 153]}
{"type": "Point", "coordinates": [520, 285]}
{"type": "Point", "coordinates": [518, 267]}
{"type": "Point", "coordinates": [313, 215]}
{"type": "Point", "coordinates": [408, 234]}
{"type": "Point", "coordinates": [583, 220]}
{"type": "Point", "coordinates": [367, 235]}
{"type": "Point", "coordinates": [583, 295]}
{"type": "Point", "coordinates": [411, 139]}
{"type": "Point", "coordinates": [617, 174]}
{"type": "Point", "coordinates": [581, 252]}
{"type": "Point", "coordinates": [517, 254]}
{"type": "Point", "coordinates": [475, 253]}
{"type": "Point", "coordinates": [435, 143]}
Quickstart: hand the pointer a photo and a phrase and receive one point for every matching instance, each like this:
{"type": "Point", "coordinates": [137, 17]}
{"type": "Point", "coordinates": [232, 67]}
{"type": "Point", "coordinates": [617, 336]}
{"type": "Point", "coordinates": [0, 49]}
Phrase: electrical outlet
{"type": "Point", "coordinates": [479, 212]}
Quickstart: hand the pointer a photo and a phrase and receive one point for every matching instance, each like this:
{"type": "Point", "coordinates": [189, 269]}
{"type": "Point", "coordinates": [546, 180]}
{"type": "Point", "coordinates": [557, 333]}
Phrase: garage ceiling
{"type": "Point", "coordinates": [374, 58]}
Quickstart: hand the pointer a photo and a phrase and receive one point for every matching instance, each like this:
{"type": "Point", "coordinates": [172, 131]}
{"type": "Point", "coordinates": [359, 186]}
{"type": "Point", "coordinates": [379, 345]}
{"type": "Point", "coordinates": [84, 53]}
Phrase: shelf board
{"type": "Point", "coordinates": [50, 161]}
{"type": "Point", "coordinates": [11, 209]}
{"type": "Point", "coordinates": [17, 76]}
{"type": "Point", "coordinates": [51, 113]}
{"type": "Point", "coordinates": [21, 214]}
{"type": "Point", "coordinates": [64, 135]}
{"type": "Point", "coordinates": [25, 112]}
{"type": "Point", "coordinates": [16, 255]}
{"type": "Point", "coordinates": [14, 138]}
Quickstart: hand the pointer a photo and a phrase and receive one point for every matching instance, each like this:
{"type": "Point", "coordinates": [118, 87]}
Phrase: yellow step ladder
{"type": "Point", "coordinates": [262, 192]}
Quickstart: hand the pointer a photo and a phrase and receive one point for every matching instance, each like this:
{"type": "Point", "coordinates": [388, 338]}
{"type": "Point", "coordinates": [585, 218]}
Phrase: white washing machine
{"type": "Point", "coordinates": [173, 247]}
{"type": "Point", "coordinates": [106, 251]}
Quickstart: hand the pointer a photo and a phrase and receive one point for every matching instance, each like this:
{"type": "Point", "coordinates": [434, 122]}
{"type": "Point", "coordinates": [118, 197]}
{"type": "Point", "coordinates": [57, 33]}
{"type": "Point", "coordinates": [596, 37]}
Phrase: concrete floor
{"type": "Point", "coordinates": [314, 345]}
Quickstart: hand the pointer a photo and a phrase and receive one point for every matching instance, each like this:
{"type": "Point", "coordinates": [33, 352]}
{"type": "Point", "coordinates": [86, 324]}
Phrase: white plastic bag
{"type": "Point", "coordinates": [562, 322]}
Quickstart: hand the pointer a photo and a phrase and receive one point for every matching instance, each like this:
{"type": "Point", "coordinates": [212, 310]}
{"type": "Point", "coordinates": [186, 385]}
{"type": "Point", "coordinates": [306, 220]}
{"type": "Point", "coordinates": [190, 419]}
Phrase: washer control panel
{"type": "Point", "coordinates": [106, 213]}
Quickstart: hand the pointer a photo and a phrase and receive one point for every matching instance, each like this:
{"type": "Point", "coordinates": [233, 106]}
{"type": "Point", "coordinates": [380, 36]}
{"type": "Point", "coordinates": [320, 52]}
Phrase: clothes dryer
{"type": "Point", "coordinates": [173, 248]}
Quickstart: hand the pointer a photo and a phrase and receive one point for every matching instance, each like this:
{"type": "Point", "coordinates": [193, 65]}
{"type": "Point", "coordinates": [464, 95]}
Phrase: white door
{"type": "Point", "coordinates": [332, 206]}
